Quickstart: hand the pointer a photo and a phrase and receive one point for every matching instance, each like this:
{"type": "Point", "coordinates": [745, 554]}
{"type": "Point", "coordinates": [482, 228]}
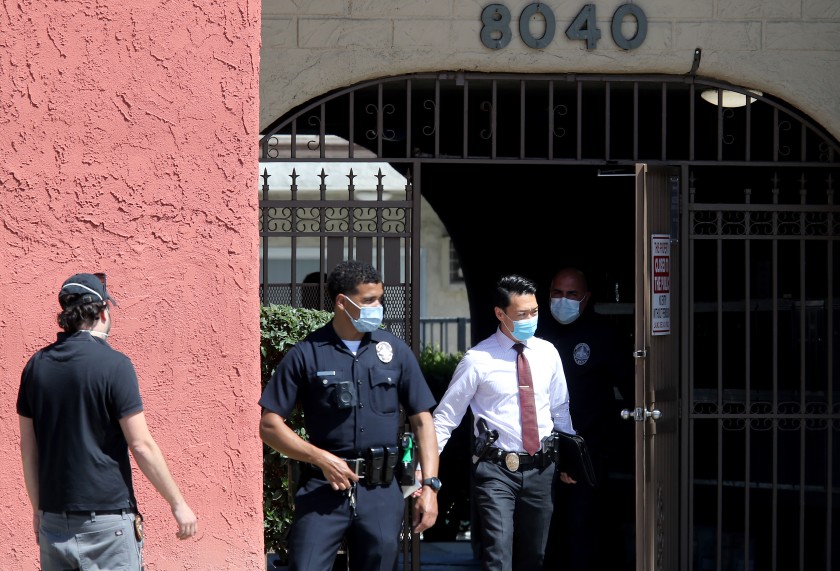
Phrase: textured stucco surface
{"type": "Point", "coordinates": [129, 146]}
{"type": "Point", "coordinates": [786, 49]}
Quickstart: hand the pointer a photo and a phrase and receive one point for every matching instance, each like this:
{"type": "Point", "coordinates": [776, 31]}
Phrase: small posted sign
{"type": "Point", "coordinates": [661, 286]}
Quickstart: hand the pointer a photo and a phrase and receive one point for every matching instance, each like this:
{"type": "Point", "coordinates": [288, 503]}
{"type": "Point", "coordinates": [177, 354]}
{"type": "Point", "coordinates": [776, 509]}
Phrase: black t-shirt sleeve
{"type": "Point", "coordinates": [125, 391]}
{"type": "Point", "coordinates": [23, 407]}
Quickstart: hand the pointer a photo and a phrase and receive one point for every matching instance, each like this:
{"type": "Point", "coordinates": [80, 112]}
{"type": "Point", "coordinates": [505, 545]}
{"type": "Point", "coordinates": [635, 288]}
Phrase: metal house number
{"type": "Point", "coordinates": [496, 34]}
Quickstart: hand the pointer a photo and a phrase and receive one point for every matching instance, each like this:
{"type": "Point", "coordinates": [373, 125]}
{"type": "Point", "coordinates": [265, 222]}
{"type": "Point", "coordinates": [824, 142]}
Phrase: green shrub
{"type": "Point", "coordinates": [438, 368]}
{"type": "Point", "coordinates": [281, 326]}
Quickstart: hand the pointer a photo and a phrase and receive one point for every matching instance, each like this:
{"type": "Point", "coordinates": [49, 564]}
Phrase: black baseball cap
{"type": "Point", "coordinates": [84, 288]}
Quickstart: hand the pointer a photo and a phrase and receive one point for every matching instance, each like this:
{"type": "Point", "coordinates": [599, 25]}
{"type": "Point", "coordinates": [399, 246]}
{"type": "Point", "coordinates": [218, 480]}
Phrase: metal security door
{"type": "Point", "coordinates": [657, 375]}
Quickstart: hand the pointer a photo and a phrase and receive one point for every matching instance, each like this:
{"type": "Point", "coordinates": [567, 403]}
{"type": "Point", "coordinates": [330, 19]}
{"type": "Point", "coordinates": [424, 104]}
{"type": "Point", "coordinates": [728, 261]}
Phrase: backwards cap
{"type": "Point", "coordinates": [83, 288]}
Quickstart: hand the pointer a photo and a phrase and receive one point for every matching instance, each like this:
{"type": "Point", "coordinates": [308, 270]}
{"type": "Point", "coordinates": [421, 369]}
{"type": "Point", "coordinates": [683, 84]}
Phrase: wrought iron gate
{"type": "Point", "coordinates": [758, 225]}
{"type": "Point", "coordinates": [763, 417]}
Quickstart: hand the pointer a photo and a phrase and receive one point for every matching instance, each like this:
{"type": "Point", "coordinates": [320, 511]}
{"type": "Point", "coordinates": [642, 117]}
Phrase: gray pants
{"type": "Point", "coordinates": [91, 542]}
{"type": "Point", "coordinates": [514, 511]}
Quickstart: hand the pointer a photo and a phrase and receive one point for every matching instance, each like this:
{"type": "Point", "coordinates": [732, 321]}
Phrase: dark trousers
{"type": "Point", "coordinates": [514, 511]}
{"type": "Point", "coordinates": [585, 535]}
{"type": "Point", "coordinates": [323, 517]}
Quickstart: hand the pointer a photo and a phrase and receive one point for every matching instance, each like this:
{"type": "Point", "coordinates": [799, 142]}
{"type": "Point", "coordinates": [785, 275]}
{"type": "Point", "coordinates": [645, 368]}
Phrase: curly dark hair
{"type": "Point", "coordinates": [74, 317]}
{"type": "Point", "coordinates": [512, 285]}
{"type": "Point", "coordinates": [348, 275]}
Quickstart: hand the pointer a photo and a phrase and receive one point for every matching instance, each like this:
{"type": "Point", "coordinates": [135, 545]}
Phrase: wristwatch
{"type": "Point", "coordinates": [433, 483]}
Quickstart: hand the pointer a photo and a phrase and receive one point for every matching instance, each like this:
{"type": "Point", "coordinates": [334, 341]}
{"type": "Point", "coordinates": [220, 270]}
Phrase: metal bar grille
{"type": "Point", "coordinates": [760, 433]}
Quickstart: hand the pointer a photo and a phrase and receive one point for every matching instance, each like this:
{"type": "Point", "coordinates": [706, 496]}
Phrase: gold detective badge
{"type": "Point", "coordinates": [512, 461]}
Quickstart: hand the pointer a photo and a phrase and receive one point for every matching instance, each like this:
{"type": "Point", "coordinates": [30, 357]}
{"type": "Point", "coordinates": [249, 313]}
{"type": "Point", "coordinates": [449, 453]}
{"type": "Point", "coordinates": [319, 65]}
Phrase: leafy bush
{"type": "Point", "coordinates": [438, 368]}
{"type": "Point", "coordinates": [281, 326]}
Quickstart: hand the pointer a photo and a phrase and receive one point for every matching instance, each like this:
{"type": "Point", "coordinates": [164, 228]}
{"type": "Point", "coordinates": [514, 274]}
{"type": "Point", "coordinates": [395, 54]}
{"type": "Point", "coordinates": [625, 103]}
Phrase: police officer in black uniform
{"type": "Point", "coordinates": [599, 369]}
{"type": "Point", "coordinates": [351, 377]}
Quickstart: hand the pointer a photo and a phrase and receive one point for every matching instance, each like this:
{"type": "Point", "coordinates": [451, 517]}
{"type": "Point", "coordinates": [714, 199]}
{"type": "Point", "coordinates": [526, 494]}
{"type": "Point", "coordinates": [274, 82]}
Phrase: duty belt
{"type": "Point", "coordinates": [516, 461]}
{"type": "Point", "coordinates": [355, 464]}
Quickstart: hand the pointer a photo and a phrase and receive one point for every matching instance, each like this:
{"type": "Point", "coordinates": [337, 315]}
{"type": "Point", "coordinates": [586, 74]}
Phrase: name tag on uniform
{"type": "Point", "coordinates": [325, 374]}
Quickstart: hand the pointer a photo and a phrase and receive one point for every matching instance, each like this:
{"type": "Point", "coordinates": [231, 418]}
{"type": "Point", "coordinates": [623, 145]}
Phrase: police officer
{"type": "Point", "coordinates": [351, 377]}
{"type": "Point", "coordinates": [599, 370]}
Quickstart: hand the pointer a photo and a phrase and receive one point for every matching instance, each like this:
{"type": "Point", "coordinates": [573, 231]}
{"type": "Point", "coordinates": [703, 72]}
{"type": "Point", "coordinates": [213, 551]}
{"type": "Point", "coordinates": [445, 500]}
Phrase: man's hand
{"type": "Point", "coordinates": [336, 471]}
{"type": "Point", "coordinates": [187, 521]}
{"type": "Point", "coordinates": [425, 509]}
{"type": "Point", "coordinates": [566, 479]}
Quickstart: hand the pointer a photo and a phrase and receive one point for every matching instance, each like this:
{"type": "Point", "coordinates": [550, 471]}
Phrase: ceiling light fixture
{"type": "Point", "coordinates": [728, 98]}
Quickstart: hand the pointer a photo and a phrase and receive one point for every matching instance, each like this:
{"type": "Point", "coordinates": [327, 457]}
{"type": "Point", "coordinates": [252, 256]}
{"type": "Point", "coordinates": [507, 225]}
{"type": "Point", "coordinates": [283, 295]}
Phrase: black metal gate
{"type": "Point", "coordinates": [761, 425]}
{"type": "Point", "coordinates": [757, 222]}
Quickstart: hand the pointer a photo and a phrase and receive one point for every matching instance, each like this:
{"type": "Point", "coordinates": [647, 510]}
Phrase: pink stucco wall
{"type": "Point", "coordinates": [128, 139]}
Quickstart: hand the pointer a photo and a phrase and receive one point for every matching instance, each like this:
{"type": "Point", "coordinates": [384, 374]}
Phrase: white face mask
{"type": "Point", "coordinates": [565, 310]}
{"type": "Point", "coordinates": [370, 318]}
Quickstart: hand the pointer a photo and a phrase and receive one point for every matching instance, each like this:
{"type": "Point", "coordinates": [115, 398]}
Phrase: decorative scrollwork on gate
{"type": "Point", "coordinates": [385, 134]}
{"type": "Point", "coordinates": [781, 223]}
{"type": "Point", "coordinates": [429, 130]}
{"type": "Point", "coordinates": [816, 408]}
{"type": "Point", "coordinates": [314, 121]}
{"type": "Point", "coordinates": [734, 424]}
{"type": "Point", "coordinates": [488, 107]}
{"type": "Point", "coordinates": [784, 125]}
{"type": "Point", "coordinates": [733, 223]}
{"type": "Point", "coordinates": [560, 111]}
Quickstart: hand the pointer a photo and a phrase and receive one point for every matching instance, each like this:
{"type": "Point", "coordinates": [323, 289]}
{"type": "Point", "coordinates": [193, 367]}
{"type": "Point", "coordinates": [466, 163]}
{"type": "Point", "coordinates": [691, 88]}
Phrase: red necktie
{"type": "Point", "coordinates": [527, 404]}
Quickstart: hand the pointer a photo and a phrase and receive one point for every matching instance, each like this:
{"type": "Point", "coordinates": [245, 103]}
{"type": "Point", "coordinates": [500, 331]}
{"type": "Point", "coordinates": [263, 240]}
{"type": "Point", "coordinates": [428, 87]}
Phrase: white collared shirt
{"type": "Point", "coordinates": [485, 380]}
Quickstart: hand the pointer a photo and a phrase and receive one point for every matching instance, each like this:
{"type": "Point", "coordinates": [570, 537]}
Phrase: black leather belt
{"type": "Point", "coordinates": [91, 513]}
{"type": "Point", "coordinates": [513, 461]}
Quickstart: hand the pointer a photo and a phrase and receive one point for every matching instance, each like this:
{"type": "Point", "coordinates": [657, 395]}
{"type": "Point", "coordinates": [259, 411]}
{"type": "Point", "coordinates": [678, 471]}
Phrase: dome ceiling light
{"type": "Point", "coordinates": [728, 98]}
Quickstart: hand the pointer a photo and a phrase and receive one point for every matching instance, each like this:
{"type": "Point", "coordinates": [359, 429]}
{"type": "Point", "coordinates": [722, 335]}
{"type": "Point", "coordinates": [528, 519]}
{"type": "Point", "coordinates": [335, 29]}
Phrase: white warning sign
{"type": "Point", "coordinates": [661, 286]}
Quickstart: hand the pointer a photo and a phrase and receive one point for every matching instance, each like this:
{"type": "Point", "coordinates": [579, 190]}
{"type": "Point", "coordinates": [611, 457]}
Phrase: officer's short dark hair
{"type": "Point", "coordinates": [512, 285]}
{"type": "Point", "coordinates": [346, 277]}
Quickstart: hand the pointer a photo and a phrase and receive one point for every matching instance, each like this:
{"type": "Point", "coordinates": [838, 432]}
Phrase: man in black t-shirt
{"type": "Point", "coordinates": [80, 413]}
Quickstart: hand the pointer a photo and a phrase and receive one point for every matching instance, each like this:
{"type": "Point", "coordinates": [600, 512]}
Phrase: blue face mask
{"type": "Point", "coordinates": [524, 328]}
{"type": "Point", "coordinates": [565, 310]}
{"type": "Point", "coordinates": [370, 318]}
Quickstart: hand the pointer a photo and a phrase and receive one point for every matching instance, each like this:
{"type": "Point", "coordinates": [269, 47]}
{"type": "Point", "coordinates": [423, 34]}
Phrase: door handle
{"type": "Point", "coordinates": [639, 414]}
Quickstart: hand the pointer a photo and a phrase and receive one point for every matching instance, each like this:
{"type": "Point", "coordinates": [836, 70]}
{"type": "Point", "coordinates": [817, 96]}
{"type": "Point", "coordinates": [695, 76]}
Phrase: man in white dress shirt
{"type": "Point", "coordinates": [513, 487]}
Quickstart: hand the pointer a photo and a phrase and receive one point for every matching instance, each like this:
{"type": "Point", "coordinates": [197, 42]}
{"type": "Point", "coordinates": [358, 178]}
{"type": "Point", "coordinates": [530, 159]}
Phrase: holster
{"type": "Point", "coordinates": [407, 460]}
{"type": "Point", "coordinates": [485, 438]}
{"type": "Point", "coordinates": [549, 450]}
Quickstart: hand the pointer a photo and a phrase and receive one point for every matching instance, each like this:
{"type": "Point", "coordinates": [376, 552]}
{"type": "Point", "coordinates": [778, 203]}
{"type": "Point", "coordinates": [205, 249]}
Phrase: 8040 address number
{"type": "Point", "coordinates": [496, 33]}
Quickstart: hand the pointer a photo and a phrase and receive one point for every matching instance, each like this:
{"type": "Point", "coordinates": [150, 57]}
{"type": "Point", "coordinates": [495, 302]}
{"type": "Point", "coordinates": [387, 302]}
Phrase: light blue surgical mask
{"type": "Point", "coordinates": [524, 328]}
{"type": "Point", "coordinates": [565, 310]}
{"type": "Point", "coordinates": [370, 318]}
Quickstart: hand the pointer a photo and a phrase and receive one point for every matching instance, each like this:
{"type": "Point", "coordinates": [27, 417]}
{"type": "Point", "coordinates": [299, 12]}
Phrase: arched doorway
{"type": "Point", "coordinates": [530, 172]}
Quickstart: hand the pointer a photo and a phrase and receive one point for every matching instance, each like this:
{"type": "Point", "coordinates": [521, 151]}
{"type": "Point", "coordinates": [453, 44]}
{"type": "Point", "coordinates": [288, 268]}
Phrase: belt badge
{"type": "Point", "coordinates": [384, 351]}
{"type": "Point", "coordinates": [512, 461]}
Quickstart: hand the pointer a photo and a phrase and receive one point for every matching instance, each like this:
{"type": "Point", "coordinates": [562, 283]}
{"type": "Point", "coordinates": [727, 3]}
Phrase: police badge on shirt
{"type": "Point", "coordinates": [581, 353]}
{"type": "Point", "coordinates": [384, 351]}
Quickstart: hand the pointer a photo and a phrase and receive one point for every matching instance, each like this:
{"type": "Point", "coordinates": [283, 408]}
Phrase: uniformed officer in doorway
{"type": "Point", "coordinates": [351, 377]}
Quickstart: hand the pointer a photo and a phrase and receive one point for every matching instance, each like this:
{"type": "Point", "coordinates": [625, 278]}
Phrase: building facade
{"type": "Point", "coordinates": [133, 141]}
